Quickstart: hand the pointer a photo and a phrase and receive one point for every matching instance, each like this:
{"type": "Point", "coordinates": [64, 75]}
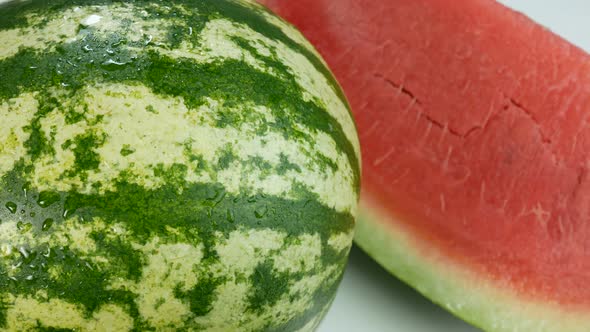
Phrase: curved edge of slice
{"type": "Point", "coordinates": [464, 293]}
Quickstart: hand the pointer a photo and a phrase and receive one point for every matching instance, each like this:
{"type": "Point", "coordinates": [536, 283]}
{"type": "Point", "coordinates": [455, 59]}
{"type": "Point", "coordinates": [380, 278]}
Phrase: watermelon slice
{"type": "Point", "coordinates": [473, 121]}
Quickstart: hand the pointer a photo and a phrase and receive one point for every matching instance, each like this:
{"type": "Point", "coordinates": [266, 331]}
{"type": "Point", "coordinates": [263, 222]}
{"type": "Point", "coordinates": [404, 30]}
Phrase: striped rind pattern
{"type": "Point", "coordinates": [169, 166]}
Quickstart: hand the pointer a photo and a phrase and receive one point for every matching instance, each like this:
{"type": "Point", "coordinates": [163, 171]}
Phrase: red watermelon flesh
{"type": "Point", "coordinates": [473, 122]}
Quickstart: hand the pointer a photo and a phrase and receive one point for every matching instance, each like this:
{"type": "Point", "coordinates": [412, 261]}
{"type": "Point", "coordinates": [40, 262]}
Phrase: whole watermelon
{"type": "Point", "coordinates": [169, 165]}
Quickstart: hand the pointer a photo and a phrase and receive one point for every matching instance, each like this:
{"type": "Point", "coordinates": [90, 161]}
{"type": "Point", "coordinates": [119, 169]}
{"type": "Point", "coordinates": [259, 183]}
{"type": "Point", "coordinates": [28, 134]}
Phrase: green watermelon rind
{"type": "Point", "coordinates": [154, 180]}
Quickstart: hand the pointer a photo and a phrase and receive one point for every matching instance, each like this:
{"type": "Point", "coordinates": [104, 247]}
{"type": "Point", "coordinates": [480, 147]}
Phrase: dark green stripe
{"type": "Point", "coordinates": [198, 211]}
{"type": "Point", "coordinates": [73, 68]}
{"type": "Point", "coordinates": [42, 328]}
{"type": "Point", "coordinates": [237, 13]}
{"type": "Point", "coordinates": [321, 298]}
{"type": "Point", "coordinates": [199, 13]}
{"type": "Point", "coordinates": [202, 296]}
{"type": "Point", "coordinates": [13, 15]}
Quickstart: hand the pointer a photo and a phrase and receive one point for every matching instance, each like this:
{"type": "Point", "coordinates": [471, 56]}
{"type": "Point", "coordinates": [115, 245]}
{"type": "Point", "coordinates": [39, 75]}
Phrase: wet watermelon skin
{"type": "Point", "coordinates": [473, 123]}
{"type": "Point", "coordinates": [169, 166]}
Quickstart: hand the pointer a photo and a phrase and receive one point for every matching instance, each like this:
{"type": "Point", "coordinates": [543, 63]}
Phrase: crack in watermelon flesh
{"type": "Point", "coordinates": [473, 121]}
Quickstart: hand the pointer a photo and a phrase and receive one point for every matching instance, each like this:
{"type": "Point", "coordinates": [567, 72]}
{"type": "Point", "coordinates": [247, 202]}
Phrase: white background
{"type": "Point", "coordinates": [369, 299]}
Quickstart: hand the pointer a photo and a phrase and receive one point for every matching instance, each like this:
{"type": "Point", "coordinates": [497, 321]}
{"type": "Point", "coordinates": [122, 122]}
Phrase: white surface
{"type": "Point", "coordinates": [369, 299]}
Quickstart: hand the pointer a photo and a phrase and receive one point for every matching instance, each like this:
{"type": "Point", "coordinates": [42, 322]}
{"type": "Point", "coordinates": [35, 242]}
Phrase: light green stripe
{"type": "Point", "coordinates": [107, 130]}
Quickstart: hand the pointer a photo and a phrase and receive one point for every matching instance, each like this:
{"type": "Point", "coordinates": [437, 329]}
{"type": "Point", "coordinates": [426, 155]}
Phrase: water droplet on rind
{"type": "Point", "coordinates": [29, 258]}
{"type": "Point", "coordinates": [260, 212]}
{"type": "Point", "coordinates": [47, 198]}
{"type": "Point", "coordinates": [24, 252]}
{"type": "Point", "coordinates": [230, 216]}
{"type": "Point", "coordinates": [126, 150]}
{"type": "Point", "coordinates": [47, 223]}
{"type": "Point", "coordinates": [215, 196]}
{"type": "Point", "coordinates": [112, 65]}
{"type": "Point", "coordinates": [11, 206]}
{"type": "Point", "coordinates": [24, 227]}
{"type": "Point", "coordinates": [90, 20]}
{"type": "Point", "coordinates": [148, 39]}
